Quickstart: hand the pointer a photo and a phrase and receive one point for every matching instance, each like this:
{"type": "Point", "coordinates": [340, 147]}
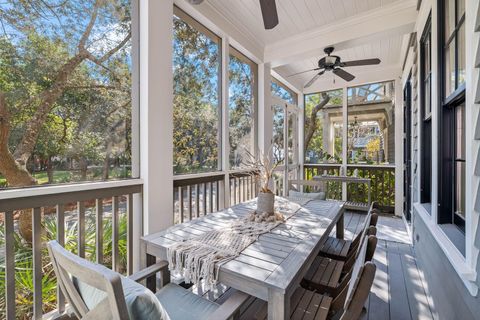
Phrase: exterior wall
{"type": "Point", "coordinates": [452, 278]}
{"type": "Point", "coordinates": [451, 300]}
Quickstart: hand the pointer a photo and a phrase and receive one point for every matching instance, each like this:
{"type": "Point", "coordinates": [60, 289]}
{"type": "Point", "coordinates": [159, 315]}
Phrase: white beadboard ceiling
{"type": "Point", "coordinates": [361, 29]}
{"type": "Point", "coordinates": [295, 16]}
{"type": "Point", "coordinates": [387, 50]}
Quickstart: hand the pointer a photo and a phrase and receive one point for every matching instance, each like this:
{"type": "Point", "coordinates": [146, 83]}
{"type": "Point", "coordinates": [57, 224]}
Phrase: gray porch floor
{"type": "Point", "coordinates": [399, 290]}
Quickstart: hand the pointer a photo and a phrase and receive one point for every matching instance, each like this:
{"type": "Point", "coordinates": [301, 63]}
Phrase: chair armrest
{"type": "Point", "coordinates": [231, 306]}
{"type": "Point", "coordinates": [149, 271]}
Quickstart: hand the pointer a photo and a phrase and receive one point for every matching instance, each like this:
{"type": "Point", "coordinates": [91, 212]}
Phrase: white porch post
{"type": "Point", "coordinates": [156, 113]}
{"type": "Point", "coordinates": [344, 140]}
{"type": "Point", "coordinates": [398, 148]}
{"type": "Point", "coordinates": [265, 113]}
{"type": "Point", "coordinates": [301, 135]}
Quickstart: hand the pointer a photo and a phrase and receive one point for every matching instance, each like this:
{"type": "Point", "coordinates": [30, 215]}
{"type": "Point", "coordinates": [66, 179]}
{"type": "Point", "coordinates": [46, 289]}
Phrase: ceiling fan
{"type": "Point", "coordinates": [335, 64]}
{"type": "Point", "coordinates": [269, 12]}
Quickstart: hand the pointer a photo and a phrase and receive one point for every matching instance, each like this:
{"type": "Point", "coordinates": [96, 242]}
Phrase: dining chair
{"type": "Point", "coordinates": [96, 292]}
{"type": "Point", "coordinates": [329, 276]}
{"type": "Point", "coordinates": [347, 305]}
{"type": "Point", "coordinates": [343, 250]}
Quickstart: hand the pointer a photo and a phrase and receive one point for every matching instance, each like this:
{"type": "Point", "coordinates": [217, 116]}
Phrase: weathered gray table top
{"type": "Point", "coordinates": [277, 260]}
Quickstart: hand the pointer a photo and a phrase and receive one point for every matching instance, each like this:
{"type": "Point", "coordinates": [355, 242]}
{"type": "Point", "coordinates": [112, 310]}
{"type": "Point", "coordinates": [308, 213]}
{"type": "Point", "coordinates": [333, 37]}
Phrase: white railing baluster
{"type": "Point", "coordinates": [204, 196]}
{"type": "Point", "coordinates": [9, 265]}
{"type": "Point", "coordinates": [81, 229]}
{"type": "Point", "coordinates": [115, 262]}
{"type": "Point", "coordinates": [37, 263]}
{"type": "Point", "coordinates": [61, 240]}
{"type": "Point", "coordinates": [129, 234]}
{"type": "Point", "coordinates": [99, 230]}
{"type": "Point", "coordinates": [197, 201]}
{"type": "Point", "coordinates": [189, 202]}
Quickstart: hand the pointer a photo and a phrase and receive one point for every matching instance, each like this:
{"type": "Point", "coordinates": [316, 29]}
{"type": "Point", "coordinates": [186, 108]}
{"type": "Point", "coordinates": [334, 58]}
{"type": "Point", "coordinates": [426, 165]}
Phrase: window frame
{"type": "Point", "coordinates": [192, 22]}
{"type": "Point", "coordinates": [254, 67]}
{"type": "Point", "coordinates": [425, 116]}
{"type": "Point", "coordinates": [446, 122]}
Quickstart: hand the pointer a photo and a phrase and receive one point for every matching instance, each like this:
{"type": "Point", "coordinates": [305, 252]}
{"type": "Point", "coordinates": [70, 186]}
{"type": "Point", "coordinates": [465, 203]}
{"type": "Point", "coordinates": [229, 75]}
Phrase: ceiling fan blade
{"type": "Point", "coordinates": [356, 63]}
{"type": "Point", "coordinates": [269, 13]}
{"type": "Point", "coordinates": [315, 78]}
{"type": "Point", "coordinates": [298, 73]}
{"type": "Point", "coordinates": [344, 74]}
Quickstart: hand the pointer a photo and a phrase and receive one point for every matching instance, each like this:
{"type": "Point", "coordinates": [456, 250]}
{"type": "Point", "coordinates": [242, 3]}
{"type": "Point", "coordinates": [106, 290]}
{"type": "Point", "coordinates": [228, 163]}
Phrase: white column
{"type": "Point", "coordinates": [225, 195]}
{"type": "Point", "coordinates": [398, 148]}
{"type": "Point", "coordinates": [137, 223]}
{"type": "Point", "coordinates": [156, 113]}
{"type": "Point", "coordinates": [301, 135]}
{"type": "Point", "coordinates": [265, 113]}
{"type": "Point", "coordinates": [344, 140]}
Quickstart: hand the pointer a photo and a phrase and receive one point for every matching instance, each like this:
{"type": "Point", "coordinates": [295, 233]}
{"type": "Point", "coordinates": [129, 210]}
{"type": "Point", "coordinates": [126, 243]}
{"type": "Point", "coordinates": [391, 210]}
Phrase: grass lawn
{"type": "Point", "coordinates": [73, 176]}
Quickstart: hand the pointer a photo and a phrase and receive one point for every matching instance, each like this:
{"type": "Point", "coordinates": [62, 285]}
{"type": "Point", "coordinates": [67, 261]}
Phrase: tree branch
{"type": "Point", "coordinates": [106, 56]}
{"type": "Point", "coordinates": [88, 30]}
{"type": "Point", "coordinates": [312, 127]}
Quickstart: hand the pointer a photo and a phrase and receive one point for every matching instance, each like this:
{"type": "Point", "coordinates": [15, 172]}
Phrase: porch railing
{"type": "Point", "coordinates": [93, 220]}
{"type": "Point", "coordinates": [382, 187]}
{"type": "Point", "coordinates": [200, 194]}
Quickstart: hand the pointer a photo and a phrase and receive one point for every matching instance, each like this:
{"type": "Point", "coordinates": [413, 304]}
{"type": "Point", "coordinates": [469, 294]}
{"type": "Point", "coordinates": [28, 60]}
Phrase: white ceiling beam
{"type": "Point", "coordinates": [394, 19]}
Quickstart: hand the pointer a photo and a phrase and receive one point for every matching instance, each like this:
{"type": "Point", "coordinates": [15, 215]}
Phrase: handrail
{"type": "Point", "coordinates": [35, 191]}
{"type": "Point", "coordinates": [65, 207]}
{"type": "Point", "coordinates": [26, 198]}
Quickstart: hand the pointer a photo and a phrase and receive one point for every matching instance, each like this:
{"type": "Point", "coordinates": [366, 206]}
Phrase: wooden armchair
{"type": "Point", "coordinates": [96, 292]}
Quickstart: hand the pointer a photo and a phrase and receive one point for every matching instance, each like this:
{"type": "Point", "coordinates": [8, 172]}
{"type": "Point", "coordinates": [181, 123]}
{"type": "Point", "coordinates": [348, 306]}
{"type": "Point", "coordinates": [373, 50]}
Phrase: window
{"type": "Point", "coordinates": [241, 107]}
{"type": "Point", "coordinates": [196, 102]}
{"type": "Point", "coordinates": [454, 44]}
{"type": "Point", "coordinates": [371, 124]}
{"type": "Point", "coordinates": [452, 120]}
{"type": "Point", "coordinates": [278, 135]}
{"type": "Point", "coordinates": [323, 127]}
{"type": "Point", "coordinates": [425, 114]}
{"type": "Point", "coordinates": [283, 92]}
{"type": "Point", "coordinates": [69, 110]}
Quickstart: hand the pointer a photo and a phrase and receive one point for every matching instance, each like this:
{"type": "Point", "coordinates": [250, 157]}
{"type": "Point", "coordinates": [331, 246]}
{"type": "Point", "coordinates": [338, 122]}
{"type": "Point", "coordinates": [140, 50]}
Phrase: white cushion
{"type": "Point", "coordinates": [182, 304]}
{"type": "Point", "coordinates": [311, 195]}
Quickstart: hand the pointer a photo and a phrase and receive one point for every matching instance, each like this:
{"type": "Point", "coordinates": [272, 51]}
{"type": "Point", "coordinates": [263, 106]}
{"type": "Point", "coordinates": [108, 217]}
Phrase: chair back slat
{"type": "Point", "coordinates": [356, 272]}
{"type": "Point", "coordinates": [364, 232]}
{"type": "Point", "coordinates": [69, 268]}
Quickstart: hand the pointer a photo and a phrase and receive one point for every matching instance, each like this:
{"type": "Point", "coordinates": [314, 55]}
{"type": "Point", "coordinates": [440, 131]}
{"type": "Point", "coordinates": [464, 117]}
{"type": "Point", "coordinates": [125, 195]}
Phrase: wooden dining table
{"type": "Point", "coordinates": [272, 267]}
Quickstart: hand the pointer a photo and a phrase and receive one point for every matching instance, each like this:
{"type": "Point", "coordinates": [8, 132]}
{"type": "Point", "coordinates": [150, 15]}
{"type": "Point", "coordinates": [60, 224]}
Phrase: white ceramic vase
{"type": "Point", "coordinates": [266, 202]}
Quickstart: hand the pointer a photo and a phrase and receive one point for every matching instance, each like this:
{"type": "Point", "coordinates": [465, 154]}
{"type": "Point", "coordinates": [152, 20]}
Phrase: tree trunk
{"type": "Point", "coordinates": [106, 167]}
{"type": "Point", "coordinates": [16, 175]}
{"type": "Point", "coordinates": [312, 123]}
{"type": "Point", "coordinates": [83, 168]}
{"type": "Point", "coordinates": [50, 169]}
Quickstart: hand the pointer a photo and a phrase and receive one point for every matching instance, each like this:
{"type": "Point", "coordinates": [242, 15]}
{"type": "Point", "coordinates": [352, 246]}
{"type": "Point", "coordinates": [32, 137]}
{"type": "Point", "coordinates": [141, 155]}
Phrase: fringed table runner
{"type": "Point", "coordinates": [201, 257]}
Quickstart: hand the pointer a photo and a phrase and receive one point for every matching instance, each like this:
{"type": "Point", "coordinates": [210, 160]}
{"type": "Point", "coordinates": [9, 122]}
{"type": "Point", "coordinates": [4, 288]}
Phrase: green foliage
{"type": "Point", "coordinates": [24, 261]}
{"type": "Point", "coordinates": [89, 123]}
{"type": "Point", "coordinates": [196, 65]}
{"type": "Point", "coordinates": [317, 149]}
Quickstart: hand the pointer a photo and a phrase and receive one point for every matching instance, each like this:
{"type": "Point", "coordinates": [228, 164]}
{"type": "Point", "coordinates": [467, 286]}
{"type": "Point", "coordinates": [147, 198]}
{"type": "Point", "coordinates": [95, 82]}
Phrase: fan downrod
{"type": "Point", "coordinates": [328, 50]}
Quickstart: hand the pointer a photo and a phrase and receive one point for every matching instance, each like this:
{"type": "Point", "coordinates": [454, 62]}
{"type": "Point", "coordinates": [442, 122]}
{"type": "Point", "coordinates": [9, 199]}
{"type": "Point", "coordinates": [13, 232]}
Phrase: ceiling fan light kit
{"type": "Point", "coordinates": [335, 64]}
